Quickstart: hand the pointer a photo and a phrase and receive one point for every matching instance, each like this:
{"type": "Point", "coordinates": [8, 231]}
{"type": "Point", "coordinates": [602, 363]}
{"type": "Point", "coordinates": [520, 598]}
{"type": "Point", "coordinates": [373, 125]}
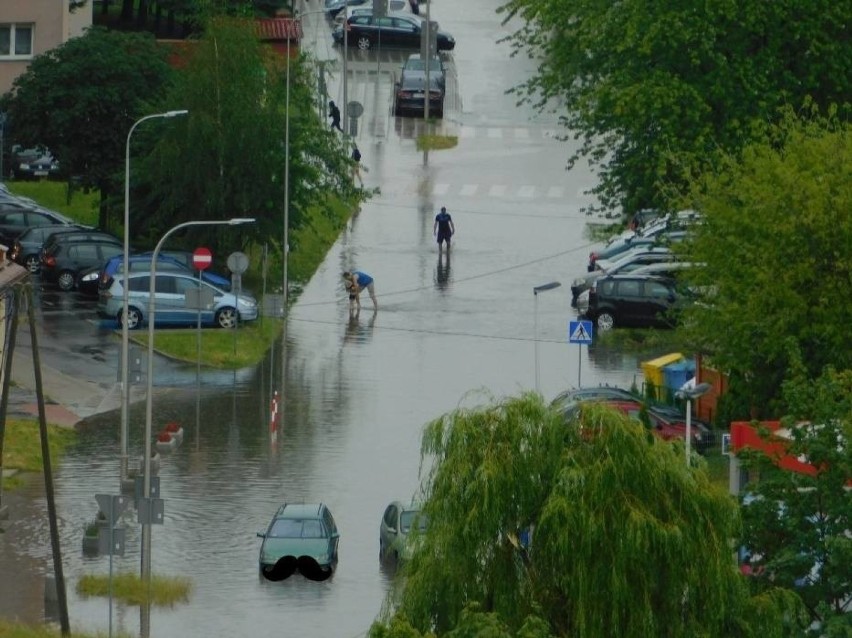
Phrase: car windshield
{"type": "Point", "coordinates": [296, 528]}
{"type": "Point", "coordinates": [406, 520]}
{"type": "Point", "coordinates": [418, 64]}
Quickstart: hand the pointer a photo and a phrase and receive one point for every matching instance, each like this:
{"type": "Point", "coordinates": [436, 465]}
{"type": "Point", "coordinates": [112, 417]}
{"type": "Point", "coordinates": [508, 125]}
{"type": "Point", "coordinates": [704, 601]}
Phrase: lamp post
{"type": "Point", "coordinates": [125, 337]}
{"type": "Point", "coordinates": [146, 490]}
{"type": "Point", "coordinates": [536, 290]}
{"type": "Point", "coordinates": [690, 393]}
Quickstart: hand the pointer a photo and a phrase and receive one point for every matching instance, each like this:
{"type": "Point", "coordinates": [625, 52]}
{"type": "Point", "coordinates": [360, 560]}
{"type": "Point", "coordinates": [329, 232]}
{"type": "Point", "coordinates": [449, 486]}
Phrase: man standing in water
{"type": "Point", "coordinates": [444, 228]}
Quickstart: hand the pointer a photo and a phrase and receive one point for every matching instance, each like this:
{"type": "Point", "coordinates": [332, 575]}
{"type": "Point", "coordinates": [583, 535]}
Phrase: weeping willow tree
{"type": "Point", "coordinates": [590, 528]}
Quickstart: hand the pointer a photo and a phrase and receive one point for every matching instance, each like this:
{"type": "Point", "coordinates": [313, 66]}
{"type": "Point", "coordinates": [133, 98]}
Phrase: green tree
{"type": "Point", "coordinates": [775, 241]}
{"type": "Point", "coordinates": [654, 88]}
{"type": "Point", "coordinates": [81, 98]}
{"type": "Point", "coordinates": [797, 526]}
{"type": "Point", "coordinates": [626, 540]}
{"type": "Point", "coordinates": [227, 157]}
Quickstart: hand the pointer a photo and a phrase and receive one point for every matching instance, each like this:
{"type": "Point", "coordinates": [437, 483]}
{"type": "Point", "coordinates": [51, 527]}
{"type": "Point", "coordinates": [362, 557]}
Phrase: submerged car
{"type": "Point", "coordinates": [301, 537]}
{"type": "Point", "coordinates": [224, 309]}
{"type": "Point", "coordinates": [397, 523]}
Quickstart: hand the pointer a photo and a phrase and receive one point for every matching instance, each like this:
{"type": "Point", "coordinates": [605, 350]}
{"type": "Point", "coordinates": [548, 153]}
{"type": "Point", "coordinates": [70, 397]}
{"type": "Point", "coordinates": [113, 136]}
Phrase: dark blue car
{"type": "Point", "coordinates": [165, 262]}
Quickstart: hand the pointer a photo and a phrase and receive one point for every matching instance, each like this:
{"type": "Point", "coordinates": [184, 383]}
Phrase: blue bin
{"type": "Point", "coordinates": [676, 374]}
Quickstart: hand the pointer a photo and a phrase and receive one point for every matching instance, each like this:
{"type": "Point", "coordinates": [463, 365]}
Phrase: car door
{"type": "Point", "coordinates": [389, 526]}
{"type": "Point", "coordinates": [406, 33]}
{"type": "Point", "coordinates": [185, 313]}
{"type": "Point", "coordinates": [80, 256]}
{"type": "Point", "coordinates": [658, 299]}
{"type": "Point", "coordinates": [333, 535]}
{"type": "Point", "coordinates": [629, 301]}
{"type": "Point", "coordinates": [169, 307]}
{"type": "Point", "coordinates": [12, 223]}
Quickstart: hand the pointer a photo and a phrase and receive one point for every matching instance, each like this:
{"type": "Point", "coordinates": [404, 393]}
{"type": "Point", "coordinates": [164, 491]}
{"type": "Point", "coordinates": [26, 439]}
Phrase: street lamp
{"type": "Point", "coordinates": [146, 491]}
{"type": "Point", "coordinates": [536, 290]}
{"type": "Point", "coordinates": [691, 391]}
{"type": "Point", "coordinates": [125, 337]}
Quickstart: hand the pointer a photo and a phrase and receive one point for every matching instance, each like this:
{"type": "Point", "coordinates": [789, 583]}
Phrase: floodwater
{"type": "Point", "coordinates": [357, 391]}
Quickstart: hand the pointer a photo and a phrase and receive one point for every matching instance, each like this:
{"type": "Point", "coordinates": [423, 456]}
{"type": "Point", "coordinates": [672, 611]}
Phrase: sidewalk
{"type": "Point", "coordinates": [68, 399]}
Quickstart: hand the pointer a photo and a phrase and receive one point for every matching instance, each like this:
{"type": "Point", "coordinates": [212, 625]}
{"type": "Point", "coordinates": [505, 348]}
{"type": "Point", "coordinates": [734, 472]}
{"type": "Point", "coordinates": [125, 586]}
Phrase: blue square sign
{"type": "Point", "coordinates": [580, 332]}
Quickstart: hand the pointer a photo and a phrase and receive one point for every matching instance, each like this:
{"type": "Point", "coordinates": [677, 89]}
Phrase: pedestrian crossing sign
{"type": "Point", "coordinates": [580, 332]}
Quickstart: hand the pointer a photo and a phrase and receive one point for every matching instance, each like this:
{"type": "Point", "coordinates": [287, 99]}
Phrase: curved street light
{"type": "Point", "coordinates": [536, 290]}
{"type": "Point", "coordinates": [149, 404]}
{"type": "Point", "coordinates": [125, 337]}
{"type": "Point", "coordinates": [691, 391]}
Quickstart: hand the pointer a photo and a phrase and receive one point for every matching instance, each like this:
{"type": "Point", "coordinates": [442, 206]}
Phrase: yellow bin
{"type": "Point", "coordinates": [653, 371]}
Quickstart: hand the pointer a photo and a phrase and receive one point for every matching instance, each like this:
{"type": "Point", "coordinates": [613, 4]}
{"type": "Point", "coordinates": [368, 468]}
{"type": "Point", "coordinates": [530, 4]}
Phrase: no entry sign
{"type": "Point", "coordinates": [202, 258]}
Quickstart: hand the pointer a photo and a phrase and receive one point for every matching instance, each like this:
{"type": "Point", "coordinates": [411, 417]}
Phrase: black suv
{"type": "Point", "coordinates": [66, 260]}
{"type": "Point", "coordinates": [77, 234]}
{"type": "Point", "coordinates": [638, 301]}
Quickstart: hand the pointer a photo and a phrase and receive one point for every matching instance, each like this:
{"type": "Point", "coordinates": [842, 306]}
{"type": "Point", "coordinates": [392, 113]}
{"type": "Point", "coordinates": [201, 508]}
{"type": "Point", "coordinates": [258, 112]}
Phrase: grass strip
{"type": "Point", "coordinates": [165, 591]}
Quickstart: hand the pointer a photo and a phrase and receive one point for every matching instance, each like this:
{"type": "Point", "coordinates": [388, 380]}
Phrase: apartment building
{"type": "Point", "coordinates": [31, 27]}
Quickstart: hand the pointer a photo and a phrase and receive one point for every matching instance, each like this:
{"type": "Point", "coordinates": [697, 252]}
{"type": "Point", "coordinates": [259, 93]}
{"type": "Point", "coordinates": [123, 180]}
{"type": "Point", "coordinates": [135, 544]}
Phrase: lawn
{"type": "Point", "coordinates": [82, 207]}
{"type": "Point", "coordinates": [22, 445]}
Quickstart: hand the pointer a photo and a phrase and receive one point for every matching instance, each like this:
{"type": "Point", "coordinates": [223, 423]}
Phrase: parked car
{"type": "Point", "coordinates": [397, 30]}
{"type": "Point", "coordinates": [64, 262]}
{"type": "Point", "coordinates": [633, 241]}
{"type": "Point", "coordinates": [71, 235]}
{"type": "Point", "coordinates": [88, 280]}
{"type": "Point", "coordinates": [170, 301]}
{"type": "Point", "coordinates": [300, 537]}
{"type": "Point", "coordinates": [32, 163]}
{"type": "Point", "coordinates": [623, 264]}
{"type": "Point", "coordinates": [416, 64]}
{"type": "Point", "coordinates": [628, 300]}
{"type": "Point", "coordinates": [367, 7]}
{"type": "Point", "coordinates": [26, 249]}
{"type": "Point", "coordinates": [607, 266]}
{"type": "Point", "coordinates": [410, 94]}
{"type": "Point", "coordinates": [395, 528]}
{"type": "Point", "coordinates": [166, 262]}
{"type": "Point", "coordinates": [16, 217]}
{"type": "Point", "coordinates": [334, 7]}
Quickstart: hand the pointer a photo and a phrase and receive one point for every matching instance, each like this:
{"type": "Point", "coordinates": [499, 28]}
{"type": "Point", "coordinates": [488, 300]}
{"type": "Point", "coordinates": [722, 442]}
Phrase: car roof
{"type": "Point", "coordinates": [663, 280]}
{"type": "Point", "coordinates": [300, 510]}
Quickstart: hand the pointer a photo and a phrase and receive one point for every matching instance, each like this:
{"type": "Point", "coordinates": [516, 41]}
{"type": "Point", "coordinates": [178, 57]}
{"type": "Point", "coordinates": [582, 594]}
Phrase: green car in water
{"type": "Point", "coordinates": [301, 537]}
{"type": "Point", "coordinates": [398, 521]}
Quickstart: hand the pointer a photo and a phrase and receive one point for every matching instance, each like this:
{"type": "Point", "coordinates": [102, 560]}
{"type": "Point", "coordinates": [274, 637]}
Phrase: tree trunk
{"type": "Point", "coordinates": [127, 10]}
{"type": "Point", "coordinates": [103, 211]}
{"type": "Point", "coordinates": [142, 14]}
{"type": "Point", "coordinates": [158, 17]}
{"type": "Point", "coordinates": [105, 7]}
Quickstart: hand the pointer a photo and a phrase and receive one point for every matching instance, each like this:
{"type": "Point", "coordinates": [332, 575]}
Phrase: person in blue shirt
{"type": "Point", "coordinates": [443, 228]}
{"type": "Point", "coordinates": [355, 281]}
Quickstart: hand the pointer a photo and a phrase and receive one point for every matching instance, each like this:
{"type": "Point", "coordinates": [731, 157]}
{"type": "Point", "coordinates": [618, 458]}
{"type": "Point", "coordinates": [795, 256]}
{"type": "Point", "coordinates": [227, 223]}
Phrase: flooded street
{"type": "Point", "coordinates": [449, 332]}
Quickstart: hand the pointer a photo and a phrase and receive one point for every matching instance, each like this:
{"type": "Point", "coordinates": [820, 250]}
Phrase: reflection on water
{"type": "Point", "coordinates": [442, 271]}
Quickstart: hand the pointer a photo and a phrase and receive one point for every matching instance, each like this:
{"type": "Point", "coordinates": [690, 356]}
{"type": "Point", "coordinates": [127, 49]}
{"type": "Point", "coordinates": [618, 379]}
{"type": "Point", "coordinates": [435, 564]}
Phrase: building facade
{"type": "Point", "coordinates": [31, 27]}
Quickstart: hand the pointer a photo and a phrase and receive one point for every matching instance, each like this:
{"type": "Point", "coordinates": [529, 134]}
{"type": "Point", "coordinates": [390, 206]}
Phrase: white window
{"type": "Point", "coordinates": [16, 41]}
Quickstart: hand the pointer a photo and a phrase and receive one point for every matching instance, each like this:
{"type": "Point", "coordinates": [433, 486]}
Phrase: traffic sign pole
{"type": "Point", "coordinates": [580, 332]}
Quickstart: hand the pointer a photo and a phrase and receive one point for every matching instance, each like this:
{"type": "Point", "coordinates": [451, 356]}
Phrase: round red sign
{"type": "Point", "coordinates": [202, 258]}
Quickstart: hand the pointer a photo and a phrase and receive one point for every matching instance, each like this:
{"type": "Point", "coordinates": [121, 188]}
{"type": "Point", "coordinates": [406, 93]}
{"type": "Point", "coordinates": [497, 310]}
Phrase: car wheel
{"type": "Point", "coordinates": [134, 318]}
{"type": "Point", "coordinates": [226, 318]}
{"type": "Point", "coordinates": [65, 281]}
{"type": "Point", "coordinates": [381, 550]}
{"type": "Point", "coordinates": [364, 43]}
{"type": "Point", "coordinates": [32, 263]}
{"type": "Point", "coordinates": [605, 321]}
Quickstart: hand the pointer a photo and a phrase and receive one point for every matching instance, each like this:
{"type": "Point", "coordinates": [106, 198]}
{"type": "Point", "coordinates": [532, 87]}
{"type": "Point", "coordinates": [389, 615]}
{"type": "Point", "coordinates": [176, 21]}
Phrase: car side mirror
{"type": "Point", "coordinates": [261, 534]}
{"type": "Point", "coordinates": [392, 530]}
{"type": "Point", "coordinates": [336, 535]}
